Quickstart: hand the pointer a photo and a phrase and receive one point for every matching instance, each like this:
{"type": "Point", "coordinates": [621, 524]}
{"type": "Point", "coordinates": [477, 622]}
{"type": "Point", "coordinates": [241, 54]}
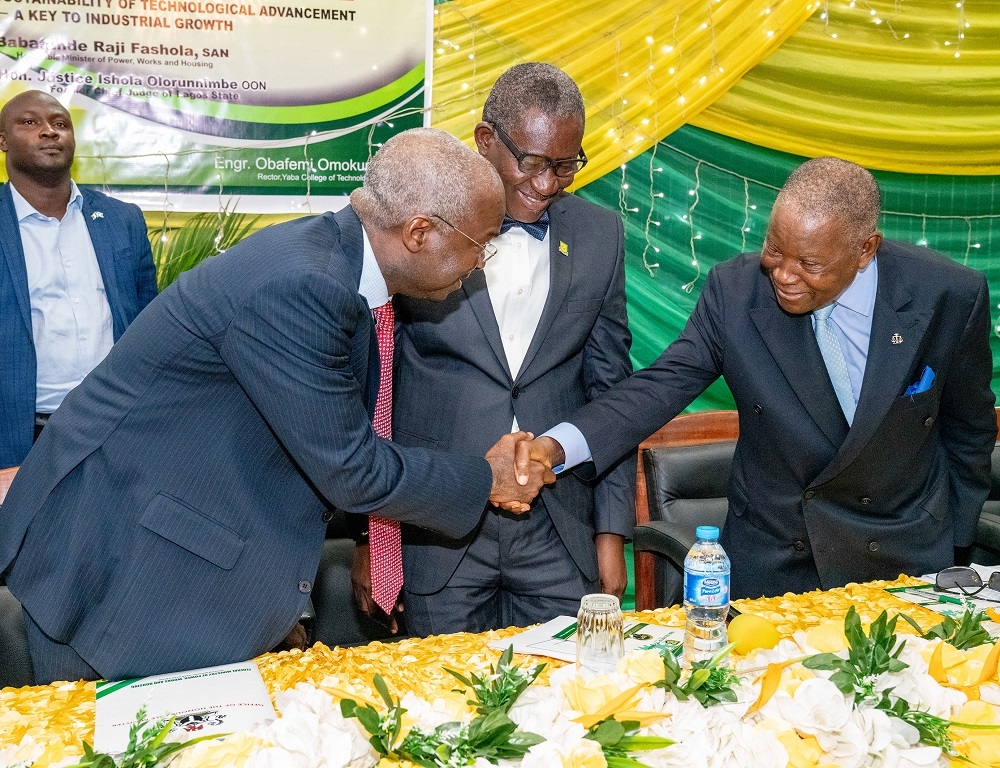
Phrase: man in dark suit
{"type": "Point", "coordinates": [172, 514]}
{"type": "Point", "coordinates": [536, 334]}
{"type": "Point", "coordinates": [864, 447]}
{"type": "Point", "coordinates": [75, 270]}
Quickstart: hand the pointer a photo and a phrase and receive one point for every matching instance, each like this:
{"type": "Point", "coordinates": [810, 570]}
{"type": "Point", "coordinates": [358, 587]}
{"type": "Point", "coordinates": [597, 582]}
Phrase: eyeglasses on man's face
{"type": "Point", "coordinates": [535, 164]}
{"type": "Point", "coordinates": [486, 250]}
{"type": "Point", "coordinates": [966, 580]}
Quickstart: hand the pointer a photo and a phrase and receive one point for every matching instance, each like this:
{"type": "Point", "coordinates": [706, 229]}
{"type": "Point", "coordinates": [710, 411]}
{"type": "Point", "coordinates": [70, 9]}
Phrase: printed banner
{"type": "Point", "coordinates": [179, 102]}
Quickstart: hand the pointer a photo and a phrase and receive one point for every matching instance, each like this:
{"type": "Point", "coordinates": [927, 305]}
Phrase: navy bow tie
{"type": "Point", "coordinates": [536, 229]}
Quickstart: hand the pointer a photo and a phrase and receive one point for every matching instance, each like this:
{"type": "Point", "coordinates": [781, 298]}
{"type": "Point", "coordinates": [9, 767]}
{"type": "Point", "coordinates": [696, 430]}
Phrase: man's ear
{"type": "Point", "coordinates": [484, 137]}
{"type": "Point", "coordinates": [416, 232]}
{"type": "Point", "coordinates": [869, 248]}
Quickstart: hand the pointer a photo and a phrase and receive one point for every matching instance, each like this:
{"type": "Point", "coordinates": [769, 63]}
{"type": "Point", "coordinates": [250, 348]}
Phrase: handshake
{"type": "Point", "coordinates": [521, 466]}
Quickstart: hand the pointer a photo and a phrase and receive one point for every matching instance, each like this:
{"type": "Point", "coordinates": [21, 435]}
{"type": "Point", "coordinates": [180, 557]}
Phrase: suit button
{"type": "Point", "coordinates": [928, 421]}
{"type": "Point", "coordinates": [873, 547]}
{"type": "Point", "coordinates": [866, 500]}
{"type": "Point", "coordinates": [757, 408]}
{"type": "Point", "coordinates": [515, 392]}
{"type": "Point", "coordinates": [327, 516]}
{"type": "Point", "coordinates": [799, 546]}
{"type": "Point", "coordinates": [810, 494]}
{"type": "Point", "coordinates": [305, 586]}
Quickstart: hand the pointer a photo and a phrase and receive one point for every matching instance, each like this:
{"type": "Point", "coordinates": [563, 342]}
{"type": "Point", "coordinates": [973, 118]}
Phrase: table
{"type": "Point", "coordinates": [61, 715]}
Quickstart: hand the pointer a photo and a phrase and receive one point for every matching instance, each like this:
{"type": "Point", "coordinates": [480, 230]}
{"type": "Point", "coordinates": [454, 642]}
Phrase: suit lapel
{"type": "Point", "coordinates": [560, 276]}
{"type": "Point", "coordinates": [104, 249]}
{"type": "Point", "coordinates": [792, 344]}
{"type": "Point", "coordinates": [479, 300]}
{"type": "Point", "coordinates": [888, 364]}
{"type": "Point", "coordinates": [13, 254]}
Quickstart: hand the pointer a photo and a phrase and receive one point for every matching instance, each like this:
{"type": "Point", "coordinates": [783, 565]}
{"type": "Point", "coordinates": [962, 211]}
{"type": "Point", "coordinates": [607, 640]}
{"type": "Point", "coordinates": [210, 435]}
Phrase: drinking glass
{"type": "Point", "coordinates": [599, 641]}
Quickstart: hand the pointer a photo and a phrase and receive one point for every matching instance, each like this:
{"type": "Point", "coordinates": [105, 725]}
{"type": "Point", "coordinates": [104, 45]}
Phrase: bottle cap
{"type": "Point", "coordinates": [707, 532]}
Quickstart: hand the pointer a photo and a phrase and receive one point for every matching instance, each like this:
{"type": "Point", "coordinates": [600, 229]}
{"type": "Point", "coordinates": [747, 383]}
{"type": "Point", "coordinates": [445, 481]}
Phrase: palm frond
{"type": "Point", "coordinates": [202, 236]}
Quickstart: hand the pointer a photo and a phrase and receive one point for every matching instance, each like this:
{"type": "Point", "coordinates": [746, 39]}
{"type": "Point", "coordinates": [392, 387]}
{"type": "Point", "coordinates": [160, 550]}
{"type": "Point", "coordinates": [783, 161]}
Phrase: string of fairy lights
{"type": "Point", "coordinates": [662, 41]}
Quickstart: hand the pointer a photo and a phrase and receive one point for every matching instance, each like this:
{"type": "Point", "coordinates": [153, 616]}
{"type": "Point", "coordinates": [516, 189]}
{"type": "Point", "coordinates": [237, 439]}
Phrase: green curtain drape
{"type": "Point", "coordinates": [698, 198]}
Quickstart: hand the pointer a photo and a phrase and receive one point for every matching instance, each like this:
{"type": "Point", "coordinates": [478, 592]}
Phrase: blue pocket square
{"type": "Point", "coordinates": [922, 384]}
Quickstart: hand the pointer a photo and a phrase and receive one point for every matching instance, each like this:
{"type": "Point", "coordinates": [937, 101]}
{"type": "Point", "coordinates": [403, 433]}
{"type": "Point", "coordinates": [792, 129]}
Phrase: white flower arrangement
{"type": "Point", "coordinates": [838, 695]}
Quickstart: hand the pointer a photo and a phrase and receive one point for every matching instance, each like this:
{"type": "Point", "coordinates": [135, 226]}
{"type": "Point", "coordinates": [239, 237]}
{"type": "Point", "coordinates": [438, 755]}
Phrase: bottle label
{"type": "Point", "coordinates": [707, 590]}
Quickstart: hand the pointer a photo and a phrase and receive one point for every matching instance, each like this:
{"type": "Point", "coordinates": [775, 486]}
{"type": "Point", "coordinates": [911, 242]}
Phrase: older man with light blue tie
{"type": "Point", "coordinates": [861, 370]}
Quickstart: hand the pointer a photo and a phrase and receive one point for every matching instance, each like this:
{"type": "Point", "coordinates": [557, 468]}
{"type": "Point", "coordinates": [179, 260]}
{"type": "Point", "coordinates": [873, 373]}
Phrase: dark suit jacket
{"type": "Point", "coordinates": [126, 263]}
{"type": "Point", "coordinates": [812, 504]}
{"type": "Point", "coordinates": [172, 514]}
{"type": "Point", "coordinates": [454, 390]}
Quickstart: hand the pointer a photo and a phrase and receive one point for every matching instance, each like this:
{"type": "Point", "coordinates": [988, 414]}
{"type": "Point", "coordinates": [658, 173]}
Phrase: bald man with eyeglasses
{"type": "Point", "coordinates": [540, 331]}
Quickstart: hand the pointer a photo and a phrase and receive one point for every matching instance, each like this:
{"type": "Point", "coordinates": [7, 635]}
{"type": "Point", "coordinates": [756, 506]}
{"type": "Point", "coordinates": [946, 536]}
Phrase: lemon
{"type": "Point", "coordinates": [749, 632]}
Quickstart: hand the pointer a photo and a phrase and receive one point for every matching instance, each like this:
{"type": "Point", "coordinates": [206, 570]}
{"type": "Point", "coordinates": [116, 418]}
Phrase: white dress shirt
{"type": "Point", "coordinates": [372, 286]}
{"type": "Point", "coordinates": [70, 316]}
{"type": "Point", "coordinates": [518, 282]}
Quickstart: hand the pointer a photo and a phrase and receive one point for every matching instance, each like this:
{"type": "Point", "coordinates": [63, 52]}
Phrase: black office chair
{"type": "Point", "coordinates": [681, 482]}
{"type": "Point", "coordinates": [338, 619]}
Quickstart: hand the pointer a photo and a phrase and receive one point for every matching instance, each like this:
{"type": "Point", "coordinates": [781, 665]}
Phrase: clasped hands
{"type": "Point", "coordinates": [521, 466]}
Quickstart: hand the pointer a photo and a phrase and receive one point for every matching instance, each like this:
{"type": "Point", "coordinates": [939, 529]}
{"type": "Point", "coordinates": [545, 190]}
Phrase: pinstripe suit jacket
{"type": "Point", "coordinates": [454, 390]}
{"type": "Point", "coordinates": [813, 503]}
{"type": "Point", "coordinates": [171, 516]}
{"type": "Point", "coordinates": [126, 263]}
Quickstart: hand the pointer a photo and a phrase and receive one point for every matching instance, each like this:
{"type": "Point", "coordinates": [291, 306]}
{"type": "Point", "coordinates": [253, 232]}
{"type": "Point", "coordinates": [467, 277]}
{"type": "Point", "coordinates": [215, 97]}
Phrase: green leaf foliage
{"type": "Point", "coordinates": [868, 655]}
{"type": "Point", "coordinates": [501, 687]}
{"type": "Point", "coordinates": [618, 739]}
{"type": "Point", "coordinates": [711, 681]}
{"type": "Point", "coordinates": [202, 236]}
{"type": "Point", "coordinates": [492, 736]}
{"type": "Point", "coordinates": [963, 634]}
{"type": "Point", "coordinates": [147, 746]}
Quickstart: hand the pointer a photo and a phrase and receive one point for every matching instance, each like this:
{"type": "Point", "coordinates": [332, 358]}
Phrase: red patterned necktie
{"type": "Point", "coordinates": [384, 540]}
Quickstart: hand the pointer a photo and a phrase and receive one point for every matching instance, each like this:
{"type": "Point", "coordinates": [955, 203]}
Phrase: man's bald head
{"type": "Point", "coordinates": [831, 189]}
{"type": "Point", "coordinates": [32, 98]}
{"type": "Point", "coordinates": [36, 135]}
{"type": "Point", "coordinates": [423, 170]}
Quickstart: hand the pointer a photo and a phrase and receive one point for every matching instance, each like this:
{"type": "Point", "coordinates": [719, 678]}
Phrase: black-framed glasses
{"type": "Point", "coordinates": [486, 250]}
{"type": "Point", "coordinates": [966, 580]}
{"type": "Point", "coordinates": [535, 164]}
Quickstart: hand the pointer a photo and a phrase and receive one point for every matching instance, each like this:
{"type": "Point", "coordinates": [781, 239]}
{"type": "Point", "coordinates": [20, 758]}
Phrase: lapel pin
{"type": "Point", "coordinates": [96, 215]}
{"type": "Point", "coordinates": [897, 339]}
{"type": "Point", "coordinates": [563, 248]}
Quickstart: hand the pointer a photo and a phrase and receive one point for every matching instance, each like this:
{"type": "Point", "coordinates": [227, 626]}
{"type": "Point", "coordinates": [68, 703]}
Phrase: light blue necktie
{"type": "Point", "coordinates": [836, 365]}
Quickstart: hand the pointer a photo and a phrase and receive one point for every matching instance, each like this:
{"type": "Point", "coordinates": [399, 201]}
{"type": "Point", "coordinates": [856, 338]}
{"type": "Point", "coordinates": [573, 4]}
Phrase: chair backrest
{"type": "Point", "coordinates": [682, 479]}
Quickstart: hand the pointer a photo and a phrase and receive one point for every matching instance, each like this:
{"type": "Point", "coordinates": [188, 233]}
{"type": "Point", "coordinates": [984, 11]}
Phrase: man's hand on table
{"type": "Point", "coordinates": [514, 491]}
{"type": "Point", "coordinates": [611, 563]}
{"type": "Point", "coordinates": [361, 583]}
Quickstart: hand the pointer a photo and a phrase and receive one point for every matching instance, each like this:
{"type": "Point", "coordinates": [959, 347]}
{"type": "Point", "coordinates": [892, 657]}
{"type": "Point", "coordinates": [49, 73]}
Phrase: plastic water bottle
{"type": "Point", "coordinates": [706, 596]}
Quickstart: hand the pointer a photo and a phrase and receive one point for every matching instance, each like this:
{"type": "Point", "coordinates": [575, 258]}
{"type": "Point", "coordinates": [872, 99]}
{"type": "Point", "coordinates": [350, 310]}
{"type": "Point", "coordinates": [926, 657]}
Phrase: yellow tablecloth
{"type": "Point", "coordinates": [61, 715]}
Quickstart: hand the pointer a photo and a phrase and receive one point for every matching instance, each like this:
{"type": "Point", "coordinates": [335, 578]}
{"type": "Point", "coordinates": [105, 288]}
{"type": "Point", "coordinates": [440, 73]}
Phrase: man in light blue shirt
{"type": "Point", "coordinates": [75, 270]}
{"type": "Point", "coordinates": [860, 368]}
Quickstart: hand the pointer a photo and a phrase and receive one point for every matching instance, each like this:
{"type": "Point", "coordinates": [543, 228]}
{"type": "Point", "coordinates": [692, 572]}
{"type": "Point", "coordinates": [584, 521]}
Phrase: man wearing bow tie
{"type": "Point", "coordinates": [536, 334]}
{"type": "Point", "coordinates": [75, 270]}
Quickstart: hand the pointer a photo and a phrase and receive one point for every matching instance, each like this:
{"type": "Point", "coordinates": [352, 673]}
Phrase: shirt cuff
{"type": "Point", "coordinates": [573, 443]}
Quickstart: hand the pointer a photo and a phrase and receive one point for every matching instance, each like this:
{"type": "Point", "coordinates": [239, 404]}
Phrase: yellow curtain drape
{"type": "Point", "coordinates": [885, 83]}
{"type": "Point", "coordinates": [645, 68]}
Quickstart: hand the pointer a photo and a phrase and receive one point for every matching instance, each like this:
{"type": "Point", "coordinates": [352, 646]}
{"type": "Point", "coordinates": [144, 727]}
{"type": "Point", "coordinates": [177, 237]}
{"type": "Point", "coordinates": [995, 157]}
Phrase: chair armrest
{"type": "Point", "coordinates": [988, 532]}
{"type": "Point", "coordinates": [666, 539]}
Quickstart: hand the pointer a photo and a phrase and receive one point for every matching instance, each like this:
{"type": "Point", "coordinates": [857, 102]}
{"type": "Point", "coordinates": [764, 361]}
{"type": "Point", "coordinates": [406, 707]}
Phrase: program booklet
{"type": "Point", "coordinates": [216, 700]}
{"type": "Point", "coordinates": [557, 639]}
